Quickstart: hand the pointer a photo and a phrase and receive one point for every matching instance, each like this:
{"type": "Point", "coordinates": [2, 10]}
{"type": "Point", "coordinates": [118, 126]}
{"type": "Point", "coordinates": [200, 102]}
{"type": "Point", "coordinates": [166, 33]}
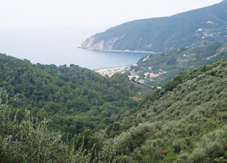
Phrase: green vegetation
{"type": "Point", "coordinates": [30, 141]}
{"type": "Point", "coordinates": [187, 117]}
{"type": "Point", "coordinates": [175, 61]}
{"type": "Point", "coordinates": [190, 29]}
{"type": "Point", "coordinates": [71, 98]}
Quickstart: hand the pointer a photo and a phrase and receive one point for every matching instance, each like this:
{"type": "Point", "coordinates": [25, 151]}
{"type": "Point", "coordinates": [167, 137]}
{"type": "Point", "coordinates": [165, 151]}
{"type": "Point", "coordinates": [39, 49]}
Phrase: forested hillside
{"type": "Point", "coordinates": [187, 117]}
{"type": "Point", "coordinates": [184, 122]}
{"type": "Point", "coordinates": [189, 29]}
{"type": "Point", "coordinates": [156, 70]}
{"type": "Point", "coordinates": [71, 98]}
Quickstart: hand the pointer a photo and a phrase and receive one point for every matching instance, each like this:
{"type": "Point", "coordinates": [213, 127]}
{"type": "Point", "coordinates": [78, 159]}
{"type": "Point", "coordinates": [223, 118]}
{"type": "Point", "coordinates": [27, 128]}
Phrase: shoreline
{"type": "Point", "coordinates": [118, 51]}
{"type": "Point", "coordinates": [113, 68]}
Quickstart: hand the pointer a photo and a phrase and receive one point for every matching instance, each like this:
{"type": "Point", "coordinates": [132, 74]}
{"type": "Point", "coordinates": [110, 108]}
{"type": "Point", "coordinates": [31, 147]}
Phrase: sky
{"type": "Point", "coordinates": [90, 13]}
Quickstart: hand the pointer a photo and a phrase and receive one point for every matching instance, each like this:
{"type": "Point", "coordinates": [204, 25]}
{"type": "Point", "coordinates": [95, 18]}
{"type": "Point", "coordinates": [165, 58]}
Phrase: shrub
{"type": "Point", "coordinates": [135, 137]}
{"type": "Point", "coordinates": [30, 141]}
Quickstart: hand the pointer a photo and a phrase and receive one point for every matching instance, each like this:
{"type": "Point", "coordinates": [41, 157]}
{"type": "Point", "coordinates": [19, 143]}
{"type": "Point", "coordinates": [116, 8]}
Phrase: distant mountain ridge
{"type": "Point", "coordinates": [189, 29]}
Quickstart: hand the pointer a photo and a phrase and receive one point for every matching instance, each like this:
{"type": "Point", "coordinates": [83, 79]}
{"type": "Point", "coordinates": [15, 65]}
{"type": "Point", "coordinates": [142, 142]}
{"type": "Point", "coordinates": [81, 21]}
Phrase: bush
{"type": "Point", "coordinates": [30, 141]}
{"type": "Point", "coordinates": [135, 137]}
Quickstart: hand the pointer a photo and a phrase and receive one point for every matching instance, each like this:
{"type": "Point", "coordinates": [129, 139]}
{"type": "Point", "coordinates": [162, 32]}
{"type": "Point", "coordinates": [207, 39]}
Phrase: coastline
{"type": "Point", "coordinates": [118, 51]}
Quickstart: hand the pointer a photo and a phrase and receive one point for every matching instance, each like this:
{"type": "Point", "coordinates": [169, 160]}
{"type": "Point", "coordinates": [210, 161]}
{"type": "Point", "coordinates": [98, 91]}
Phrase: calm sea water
{"type": "Point", "coordinates": [59, 46]}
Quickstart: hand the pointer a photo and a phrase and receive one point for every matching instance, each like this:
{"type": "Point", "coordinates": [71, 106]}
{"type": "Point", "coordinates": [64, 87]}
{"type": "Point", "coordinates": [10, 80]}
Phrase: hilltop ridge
{"type": "Point", "coordinates": [189, 29]}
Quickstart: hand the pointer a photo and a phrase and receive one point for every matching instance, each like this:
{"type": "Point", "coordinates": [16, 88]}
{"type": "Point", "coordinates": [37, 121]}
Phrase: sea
{"type": "Point", "coordinates": [59, 46]}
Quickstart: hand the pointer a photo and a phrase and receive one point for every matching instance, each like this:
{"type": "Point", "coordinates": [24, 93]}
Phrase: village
{"type": "Point", "coordinates": [110, 72]}
{"type": "Point", "coordinates": [149, 75]}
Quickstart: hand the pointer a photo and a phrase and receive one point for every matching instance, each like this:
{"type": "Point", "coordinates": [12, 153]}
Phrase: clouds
{"type": "Point", "coordinates": [16, 13]}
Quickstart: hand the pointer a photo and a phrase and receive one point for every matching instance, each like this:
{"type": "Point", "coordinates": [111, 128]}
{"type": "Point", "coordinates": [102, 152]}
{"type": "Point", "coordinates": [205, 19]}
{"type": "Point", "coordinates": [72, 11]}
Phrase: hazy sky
{"type": "Point", "coordinates": [100, 13]}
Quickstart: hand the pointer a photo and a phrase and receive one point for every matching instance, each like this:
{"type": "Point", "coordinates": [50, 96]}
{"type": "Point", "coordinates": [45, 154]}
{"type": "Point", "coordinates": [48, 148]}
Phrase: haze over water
{"type": "Point", "coordinates": [59, 46]}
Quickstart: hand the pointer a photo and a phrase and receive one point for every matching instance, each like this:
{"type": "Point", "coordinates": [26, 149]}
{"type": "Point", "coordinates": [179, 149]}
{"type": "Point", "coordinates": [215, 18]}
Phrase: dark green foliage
{"type": "Point", "coordinates": [71, 98]}
{"type": "Point", "coordinates": [30, 141]}
{"type": "Point", "coordinates": [189, 29]}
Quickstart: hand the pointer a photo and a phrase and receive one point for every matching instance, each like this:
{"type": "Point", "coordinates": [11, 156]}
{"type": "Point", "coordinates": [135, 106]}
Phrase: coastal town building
{"type": "Point", "coordinates": [146, 58]}
{"type": "Point", "coordinates": [133, 73]}
{"type": "Point", "coordinates": [110, 72]}
{"type": "Point", "coordinates": [141, 81]}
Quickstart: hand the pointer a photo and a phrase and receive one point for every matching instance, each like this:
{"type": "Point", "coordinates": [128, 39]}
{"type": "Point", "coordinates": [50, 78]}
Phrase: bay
{"type": "Point", "coordinates": [59, 46]}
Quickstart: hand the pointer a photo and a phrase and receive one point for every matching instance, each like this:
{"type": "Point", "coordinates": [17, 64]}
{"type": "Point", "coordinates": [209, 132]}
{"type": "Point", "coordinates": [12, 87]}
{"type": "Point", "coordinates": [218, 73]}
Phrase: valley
{"type": "Point", "coordinates": [168, 106]}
